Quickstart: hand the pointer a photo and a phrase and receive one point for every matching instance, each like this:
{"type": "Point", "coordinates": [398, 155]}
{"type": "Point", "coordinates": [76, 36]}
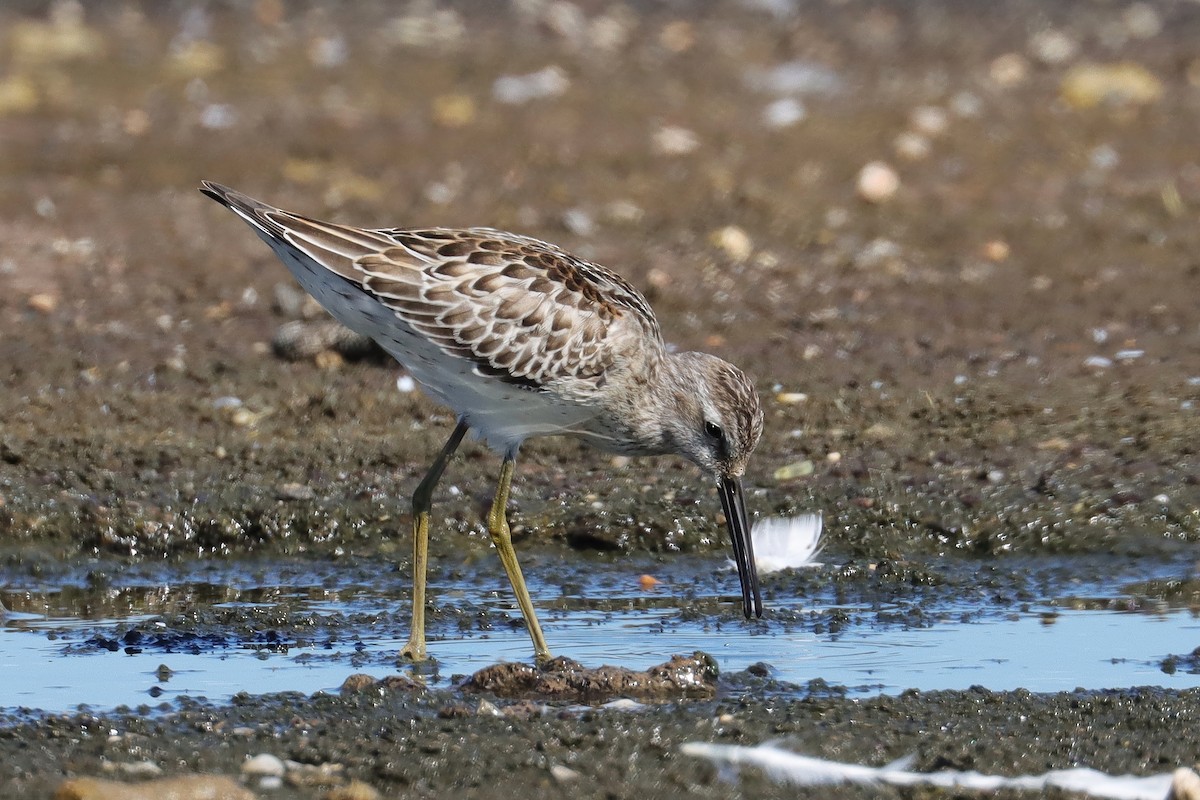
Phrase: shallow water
{"type": "Point", "coordinates": [261, 630]}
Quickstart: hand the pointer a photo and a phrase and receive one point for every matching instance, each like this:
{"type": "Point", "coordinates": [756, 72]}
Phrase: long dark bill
{"type": "Point", "coordinates": [743, 548]}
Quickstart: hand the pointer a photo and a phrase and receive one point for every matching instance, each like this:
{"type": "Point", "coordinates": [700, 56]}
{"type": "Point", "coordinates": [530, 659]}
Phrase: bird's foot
{"type": "Point", "coordinates": [415, 649]}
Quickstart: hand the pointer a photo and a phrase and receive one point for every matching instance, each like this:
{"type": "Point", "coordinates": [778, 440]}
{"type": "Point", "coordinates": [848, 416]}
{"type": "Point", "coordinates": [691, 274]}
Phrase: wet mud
{"type": "Point", "coordinates": [980, 358]}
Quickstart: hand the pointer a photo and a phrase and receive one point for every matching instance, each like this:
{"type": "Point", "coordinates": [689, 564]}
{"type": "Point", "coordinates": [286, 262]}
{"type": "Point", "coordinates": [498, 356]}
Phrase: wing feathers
{"type": "Point", "coordinates": [524, 311]}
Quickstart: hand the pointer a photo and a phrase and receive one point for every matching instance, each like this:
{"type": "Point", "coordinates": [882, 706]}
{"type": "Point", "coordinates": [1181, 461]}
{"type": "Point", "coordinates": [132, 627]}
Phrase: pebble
{"type": "Point", "coordinates": [1142, 21]}
{"type": "Point", "coordinates": [406, 384]}
{"type": "Point", "coordinates": [18, 95]}
{"type": "Point", "coordinates": [878, 253]}
{"type": "Point", "coordinates": [1185, 785]}
{"type": "Point", "coordinates": [798, 469]}
{"type": "Point", "coordinates": [520, 89]}
{"type": "Point", "coordinates": [877, 182]}
{"type": "Point", "coordinates": [784, 113]}
{"type": "Point", "coordinates": [134, 769]}
{"type": "Point", "coordinates": [791, 398]}
{"type": "Point", "coordinates": [1123, 83]}
{"type": "Point", "coordinates": [796, 77]}
{"type": "Point", "coordinates": [734, 241]}
{"type": "Point", "coordinates": [911, 146]}
{"type": "Point", "coordinates": [184, 787]}
{"type": "Point", "coordinates": [563, 774]}
{"type": "Point", "coordinates": [264, 764]}
{"type": "Point", "coordinates": [672, 140]}
{"type": "Point", "coordinates": [487, 708]}
{"type": "Point", "coordinates": [880, 430]}
{"type": "Point", "coordinates": [1009, 70]}
{"type": "Point", "coordinates": [1053, 47]}
{"type": "Point", "coordinates": [625, 212]}
{"type": "Point", "coordinates": [295, 491]}
{"type": "Point", "coordinates": [996, 250]}
{"type": "Point", "coordinates": [1098, 362]}
{"type": "Point", "coordinates": [453, 110]}
{"type": "Point", "coordinates": [354, 790]}
{"type": "Point", "coordinates": [579, 222]}
{"type": "Point", "coordinates": [43, 303]}
{"type": "Point", "coordinates": [930, 121]}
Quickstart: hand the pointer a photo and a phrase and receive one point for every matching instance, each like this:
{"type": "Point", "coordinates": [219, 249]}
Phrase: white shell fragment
{"type": "Point", "coordinates": [786, 543]}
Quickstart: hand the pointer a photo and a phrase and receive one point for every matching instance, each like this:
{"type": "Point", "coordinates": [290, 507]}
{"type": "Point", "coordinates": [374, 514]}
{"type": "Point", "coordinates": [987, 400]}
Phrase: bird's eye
{"type": "Point", "coordinates": [714, 431]}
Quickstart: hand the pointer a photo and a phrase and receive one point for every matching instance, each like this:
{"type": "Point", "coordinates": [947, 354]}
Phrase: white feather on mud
{"type": "Point", "coordinates": [786, 542]}
{"type": "Point", "coordinates": [785, 766]}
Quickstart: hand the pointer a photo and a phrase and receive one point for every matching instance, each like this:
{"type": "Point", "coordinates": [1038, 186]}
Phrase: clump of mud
{"type": "Point", "coordinates": [563, 678]}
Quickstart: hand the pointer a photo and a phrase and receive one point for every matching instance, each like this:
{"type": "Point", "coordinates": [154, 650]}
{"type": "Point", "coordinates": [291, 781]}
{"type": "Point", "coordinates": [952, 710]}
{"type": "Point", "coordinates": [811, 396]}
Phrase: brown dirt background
{"type": "Point", "coordinates": [942, 337]}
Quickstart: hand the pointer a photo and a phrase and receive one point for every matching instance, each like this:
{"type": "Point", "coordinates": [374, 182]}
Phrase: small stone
{"type": "Point", "coordinates": [18, 95]}
{"type": "Point", "coordinates": [1142, 21]}
{"type": "Point", "coordinates": [264, 765]}
{"type": "Point", "coordinates": [354, 790]}
{"type": "Point", "coordinates": [911, 146]}
{"type": "Point", "coordinates": [791, 398]}
{"type": "Point", "coordinates": [563, 774]}
{"type": "Point", "coordinates": [1009, 70]}
{"type": "Point", "coordinates": [209, 787]}
{"type": "Point", "coordinates": [520, 89]}
{"type": "Point", "coordinates": [329, 360]}
{"type": "Point", "coordinates": [672, 140]}
{"type": "Point", "coordinates": [487, 708]}
{"type": "Point", "coordinates": [798, 469]}
{"type": "Point", "coordinates": [136, 122]}
{"type": "Point", "coordinates": [579, 222]}
{"type": "Point", "coordinates": [1053, 47]}
{"type": "Point", "coordinates": [138, 769]}
{"type": "Point", "coordinates": [295, 491]}
{"type": "Point", "coordinates": [625, 212]}
{"type": "Point", "coordinates": [784, 113]}
{"type": "Point", "coordinates": [453, 110]}
{"type": "Point", "coordinates": [405, 384]}
{"type": "Point", "coordinates": [1124, 83]}
{"type": "Point", "coordinates": [996, 250]}
{"type": "Point", "coordinates": [877, 182]}
{"type": "Point", "coordinates": [930, 121]}
{"type": "Point", "coordinates": [734, 241]}
{"type": "Point", "coordinates": [43, 303]}
{"type": "Point", "coordinates": [1185, 785]}
{"type": "Point", "coordinates": [270, 782]}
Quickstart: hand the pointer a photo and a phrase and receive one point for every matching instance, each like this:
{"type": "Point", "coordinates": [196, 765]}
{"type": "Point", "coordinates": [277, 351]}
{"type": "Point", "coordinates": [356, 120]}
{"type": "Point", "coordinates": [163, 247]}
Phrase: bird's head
{"type": "Point", "coordinates": [718, 424]}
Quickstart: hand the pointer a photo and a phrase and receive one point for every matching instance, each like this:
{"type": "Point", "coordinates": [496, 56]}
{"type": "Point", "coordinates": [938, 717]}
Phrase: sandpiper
{"type": "Point", "coordinates": [522, 339]}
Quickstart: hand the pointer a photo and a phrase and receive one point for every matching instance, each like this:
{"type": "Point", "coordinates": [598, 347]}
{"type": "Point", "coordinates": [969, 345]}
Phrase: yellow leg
{"type": "Point", "coordinates": [422, 503]}
{"type": "Point", "coordinates": [501, 537]}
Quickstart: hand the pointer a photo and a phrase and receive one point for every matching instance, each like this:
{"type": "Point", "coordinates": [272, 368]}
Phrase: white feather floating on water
{"type": "Point", "coordinates": [788, 767]}
{"type": "Point", "coordinates": [786, 542]}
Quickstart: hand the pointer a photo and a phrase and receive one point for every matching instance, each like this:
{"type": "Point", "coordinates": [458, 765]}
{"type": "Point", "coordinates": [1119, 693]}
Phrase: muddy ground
{"type": "Point", "coordinates": [999, 360]}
